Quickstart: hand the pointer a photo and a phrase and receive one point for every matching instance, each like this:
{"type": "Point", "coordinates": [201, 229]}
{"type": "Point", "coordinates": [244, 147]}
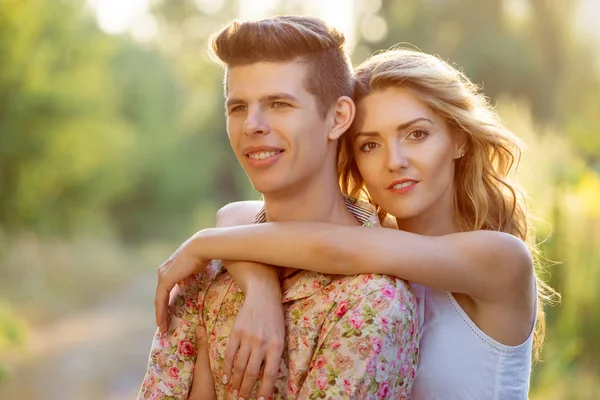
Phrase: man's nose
{"type": "Point", "coordinates": [256, 123]}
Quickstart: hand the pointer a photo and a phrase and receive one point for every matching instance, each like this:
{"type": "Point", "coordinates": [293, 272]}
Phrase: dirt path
{"type": "Point", "coordinates": [100, 353]}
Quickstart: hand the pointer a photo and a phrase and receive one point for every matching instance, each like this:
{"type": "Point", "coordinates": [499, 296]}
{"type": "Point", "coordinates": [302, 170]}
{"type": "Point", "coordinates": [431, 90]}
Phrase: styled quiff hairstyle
{"type": "Point", "coordinates": [282, 39]}
{"type": "Point", "coordinates": [486, 194]}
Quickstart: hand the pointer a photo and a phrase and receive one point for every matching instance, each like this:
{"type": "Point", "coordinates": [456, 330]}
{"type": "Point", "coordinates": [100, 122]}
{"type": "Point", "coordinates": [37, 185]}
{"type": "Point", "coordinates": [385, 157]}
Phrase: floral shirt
{"type": "Point", "coordinates": [351, 337]}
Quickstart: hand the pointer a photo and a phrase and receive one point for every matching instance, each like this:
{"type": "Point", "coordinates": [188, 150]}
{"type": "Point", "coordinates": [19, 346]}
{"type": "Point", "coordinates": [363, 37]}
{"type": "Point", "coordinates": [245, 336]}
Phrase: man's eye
{"type": "Point", "coordinates": [280, 104]}
{"type": "Point", "coordinates": [238, 108]}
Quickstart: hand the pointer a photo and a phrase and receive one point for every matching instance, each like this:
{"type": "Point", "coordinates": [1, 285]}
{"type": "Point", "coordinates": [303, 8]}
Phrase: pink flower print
{"type": "Point", "coordinates": [321, 362]}
{"type": "Point", "coordinates": [377, 344]}
{"type": "Point", "coordinates": [383, 369]}
{"type": "Point", "coordinates": [372, 367]}
{"type": "Point", "coordinates": [306, 322]}
{"type": "Point", "coordinates": [174, 372]}
{"type": "Point", "coordinates": [404, 369]}
{"type": "Point", "coordinates": [347, 386]}
{"type": "Point", "coordinates": [364, 349]}
{"type": "Point", "coordinates": [389, 291]}
{"type": "Point", "coordinates": [164, 342]}
{"type": "Point", "coordinates": [356, 321]}
{"type": "Point", "coordinates": [293, 387]}
{"type": "Point", "coordinates": [190, 304]}
{"type": "Point", "coordinates": [383, 322]}
{"type": "Point", "coordinates": [341, 309]}
{"type": "Point", "coordinates": [384, 388]}
{"type": "Point", "coordinates": [186, 348]}
{"type": "Point", "coordinates": [322, 382]}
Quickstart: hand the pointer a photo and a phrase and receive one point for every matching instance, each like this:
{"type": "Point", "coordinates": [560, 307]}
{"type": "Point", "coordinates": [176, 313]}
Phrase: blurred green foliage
{"type": "Point", "coordinates": [107, 140]}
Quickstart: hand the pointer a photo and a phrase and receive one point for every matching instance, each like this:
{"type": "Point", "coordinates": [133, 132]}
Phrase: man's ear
{"type": "Point", "coordinates": [343, 115]}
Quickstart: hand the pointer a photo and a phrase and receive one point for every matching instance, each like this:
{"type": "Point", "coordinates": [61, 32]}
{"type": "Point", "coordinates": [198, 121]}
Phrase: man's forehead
{"type": "Point", "coordinates": [266, 79]}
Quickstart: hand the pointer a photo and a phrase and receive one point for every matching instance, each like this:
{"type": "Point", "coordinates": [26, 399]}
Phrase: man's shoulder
{"type": "Point", "coordinates": [238, 213]}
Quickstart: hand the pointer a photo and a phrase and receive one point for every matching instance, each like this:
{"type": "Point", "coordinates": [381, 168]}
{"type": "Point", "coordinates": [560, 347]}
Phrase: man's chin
{"type": "Point", "coordinates": [268, 186]}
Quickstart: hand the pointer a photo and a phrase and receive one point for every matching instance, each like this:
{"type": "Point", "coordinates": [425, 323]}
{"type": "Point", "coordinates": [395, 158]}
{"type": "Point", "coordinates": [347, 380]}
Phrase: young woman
{"type": "Point", "coordinates": [430, 153]}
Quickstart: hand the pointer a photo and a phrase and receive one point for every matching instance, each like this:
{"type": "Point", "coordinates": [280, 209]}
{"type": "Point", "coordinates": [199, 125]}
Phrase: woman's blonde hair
{"type": "Point", "coordinates": [486, 195]}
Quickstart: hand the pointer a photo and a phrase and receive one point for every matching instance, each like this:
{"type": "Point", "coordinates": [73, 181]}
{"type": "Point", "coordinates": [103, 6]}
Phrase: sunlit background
{"type": "Point", "coordinates": [113, 151]}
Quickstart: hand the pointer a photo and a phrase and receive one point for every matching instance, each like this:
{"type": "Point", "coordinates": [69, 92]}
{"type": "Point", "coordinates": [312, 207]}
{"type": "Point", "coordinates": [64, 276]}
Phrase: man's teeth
{"type": "Point", "coordinates": [263, 154]}
{"type": "Point", "coordinates": [403, 185]}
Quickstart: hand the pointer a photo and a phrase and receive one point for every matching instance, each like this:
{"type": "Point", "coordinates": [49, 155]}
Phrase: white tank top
{"type": "Point", "coordinates": [457, 361]}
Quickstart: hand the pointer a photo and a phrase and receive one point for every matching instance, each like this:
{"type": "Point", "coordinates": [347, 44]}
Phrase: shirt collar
{"type": "Point", "coordinates": [364, 212]}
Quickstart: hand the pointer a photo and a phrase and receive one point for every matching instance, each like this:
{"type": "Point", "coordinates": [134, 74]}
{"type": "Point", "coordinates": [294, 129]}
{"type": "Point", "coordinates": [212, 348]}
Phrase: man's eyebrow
{"type": "Point", "coordinates": [265, 99]}
{"type": "Point", "coordinates": [233, 101]}
{"type": "Point", "coordinates": [279, 96]}
{"type": "Point", "coordinates": [400, 127]}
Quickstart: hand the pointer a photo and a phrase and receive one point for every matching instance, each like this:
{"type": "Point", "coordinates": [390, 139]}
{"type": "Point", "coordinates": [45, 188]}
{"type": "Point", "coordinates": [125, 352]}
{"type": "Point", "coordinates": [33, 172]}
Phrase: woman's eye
{"type": "Point", "coordinates": [417, 135]}
{"type": "Point", "coordinates": [368, 146]}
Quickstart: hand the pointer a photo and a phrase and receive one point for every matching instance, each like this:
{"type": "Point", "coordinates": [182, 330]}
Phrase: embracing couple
{"type": "Point", "coordinates": [389, 258]}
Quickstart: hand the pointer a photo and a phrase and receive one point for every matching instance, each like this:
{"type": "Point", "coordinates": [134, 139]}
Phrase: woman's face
{"type": "Point", "coordinates": [405, 153]}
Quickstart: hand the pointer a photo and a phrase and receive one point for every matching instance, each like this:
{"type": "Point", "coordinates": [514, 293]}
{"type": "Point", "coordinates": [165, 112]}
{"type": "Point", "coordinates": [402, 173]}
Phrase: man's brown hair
{"type": "Point", "coordinates": [281, 39]}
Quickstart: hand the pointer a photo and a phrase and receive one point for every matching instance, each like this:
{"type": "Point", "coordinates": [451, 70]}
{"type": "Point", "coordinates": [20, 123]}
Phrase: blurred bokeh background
{"type": "Point", "coordinates": [113, 151]}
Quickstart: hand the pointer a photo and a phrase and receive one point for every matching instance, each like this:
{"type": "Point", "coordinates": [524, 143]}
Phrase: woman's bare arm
{"type": "Point", "coordinates": [483, 264]}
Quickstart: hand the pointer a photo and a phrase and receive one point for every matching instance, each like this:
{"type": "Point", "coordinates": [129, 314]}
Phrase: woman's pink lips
{"type": "Point", "coordinates": [403, 190]}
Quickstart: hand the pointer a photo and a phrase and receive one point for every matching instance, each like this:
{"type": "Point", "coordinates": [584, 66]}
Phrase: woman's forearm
{"type": "Point", "coordinates": [294, 245]}
{"type": "Point", "coordinates": [474, 263]}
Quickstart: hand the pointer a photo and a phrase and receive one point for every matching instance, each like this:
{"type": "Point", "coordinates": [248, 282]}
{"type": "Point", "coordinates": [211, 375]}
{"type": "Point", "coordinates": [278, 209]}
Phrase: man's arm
{"type": "Point", "coordinates": [259, 325]}
{"type": "Point", "coordinates": [369, 349]}
{"type": "Point", "coordinates": [246, 274]}
{"type": "Point", "coordinates": [173, 355]}
{"type": "Point", "coordinates": [203, 386]}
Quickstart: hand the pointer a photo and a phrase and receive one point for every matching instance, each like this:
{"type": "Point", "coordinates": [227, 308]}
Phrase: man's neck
{"type": "Point", "coordinates": [319, 199]}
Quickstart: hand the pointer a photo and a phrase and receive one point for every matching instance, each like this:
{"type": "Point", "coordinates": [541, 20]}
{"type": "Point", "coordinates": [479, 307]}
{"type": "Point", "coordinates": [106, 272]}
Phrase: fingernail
{"type": "Point", "coordinates": [224, 379]}
{"type": "Point", "coordinates": [235, 393]}
{"type": "Point", "coordinates": [241, 398]}
{"type": "Point", "coordinates": [261, 398]}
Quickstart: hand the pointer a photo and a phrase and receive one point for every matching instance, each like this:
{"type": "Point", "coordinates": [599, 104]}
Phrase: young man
{"type": "Point", "coordinates": [288, 85]}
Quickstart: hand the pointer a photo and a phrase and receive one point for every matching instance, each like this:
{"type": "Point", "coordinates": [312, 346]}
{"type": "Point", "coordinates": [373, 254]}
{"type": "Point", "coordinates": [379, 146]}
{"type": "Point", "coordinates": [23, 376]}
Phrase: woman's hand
{"type": "Point", "coordinates": [180, 265]}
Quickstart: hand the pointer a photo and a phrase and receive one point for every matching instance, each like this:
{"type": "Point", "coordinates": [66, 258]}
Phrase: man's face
{"type": "Point", "coordinates": [274, 125]}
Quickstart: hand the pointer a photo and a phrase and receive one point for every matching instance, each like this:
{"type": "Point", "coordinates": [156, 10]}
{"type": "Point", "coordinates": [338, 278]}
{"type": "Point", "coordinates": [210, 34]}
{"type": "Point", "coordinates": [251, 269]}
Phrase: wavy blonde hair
{"type": "Point", "coordinates": [486, 194]}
